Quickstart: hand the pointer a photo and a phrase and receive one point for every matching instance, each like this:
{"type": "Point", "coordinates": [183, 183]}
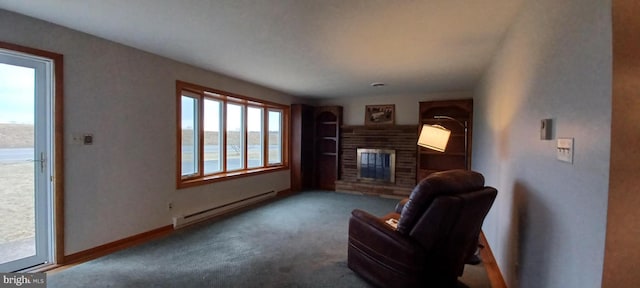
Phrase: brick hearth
{"type": "Point", "coordinates": [402, 138]}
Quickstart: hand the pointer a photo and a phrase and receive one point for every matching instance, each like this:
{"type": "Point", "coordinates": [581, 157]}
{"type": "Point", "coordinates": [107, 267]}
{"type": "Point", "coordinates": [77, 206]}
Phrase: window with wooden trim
{"type": "Point", "coordinates": [222, 135]}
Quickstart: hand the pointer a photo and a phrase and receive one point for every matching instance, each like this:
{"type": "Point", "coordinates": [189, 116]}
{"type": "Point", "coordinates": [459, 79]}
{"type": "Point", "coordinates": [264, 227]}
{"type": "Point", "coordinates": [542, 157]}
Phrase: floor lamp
{"type": "Point", "coordinates": [436, 137]}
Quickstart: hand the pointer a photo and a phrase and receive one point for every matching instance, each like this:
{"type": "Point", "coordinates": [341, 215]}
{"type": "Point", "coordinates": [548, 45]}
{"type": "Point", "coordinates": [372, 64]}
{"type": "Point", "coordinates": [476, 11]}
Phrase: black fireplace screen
{"type": "Point", "coordinates": [377, 164]}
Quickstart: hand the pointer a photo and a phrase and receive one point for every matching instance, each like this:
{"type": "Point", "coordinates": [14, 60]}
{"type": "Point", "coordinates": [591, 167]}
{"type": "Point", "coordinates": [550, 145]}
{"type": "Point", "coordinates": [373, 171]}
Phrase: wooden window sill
{"type": "Point", "coordinates": [208, 179]}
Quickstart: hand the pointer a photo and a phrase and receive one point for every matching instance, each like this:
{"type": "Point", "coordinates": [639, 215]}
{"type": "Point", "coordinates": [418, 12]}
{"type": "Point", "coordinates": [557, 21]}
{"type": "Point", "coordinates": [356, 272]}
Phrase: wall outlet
{"type": "Point", "coordinates": [77, 138]}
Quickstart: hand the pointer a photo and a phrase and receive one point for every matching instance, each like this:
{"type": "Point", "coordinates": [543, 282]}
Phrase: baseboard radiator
{"type": "Point", "coordinates": [182, 221]}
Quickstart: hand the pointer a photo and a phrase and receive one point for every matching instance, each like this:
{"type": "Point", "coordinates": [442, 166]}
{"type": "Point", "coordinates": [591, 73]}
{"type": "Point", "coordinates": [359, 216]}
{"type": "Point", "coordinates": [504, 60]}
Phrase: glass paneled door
{"type": "Point", "coordinates": [25, 169]}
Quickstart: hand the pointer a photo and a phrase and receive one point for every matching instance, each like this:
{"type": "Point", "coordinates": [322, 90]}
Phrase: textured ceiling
{"type": "Point", "coordinates": [311, 48]}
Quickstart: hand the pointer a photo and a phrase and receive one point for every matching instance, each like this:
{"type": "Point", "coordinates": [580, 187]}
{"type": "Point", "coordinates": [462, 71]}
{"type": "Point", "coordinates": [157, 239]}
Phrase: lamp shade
{"type": "Point", "coordinates": [434, 137]}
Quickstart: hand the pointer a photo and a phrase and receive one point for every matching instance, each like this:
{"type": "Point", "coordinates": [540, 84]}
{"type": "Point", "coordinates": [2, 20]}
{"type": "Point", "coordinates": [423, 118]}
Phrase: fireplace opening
{"type": "Point", "coordinates": [376, 165]}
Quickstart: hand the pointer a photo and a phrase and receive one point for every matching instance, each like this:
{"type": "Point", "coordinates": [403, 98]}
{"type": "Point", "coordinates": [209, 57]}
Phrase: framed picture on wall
{"type": "Point", "coordinates": [380, 114]}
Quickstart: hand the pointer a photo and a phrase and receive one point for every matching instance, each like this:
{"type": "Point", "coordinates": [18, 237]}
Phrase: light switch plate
{"type": "Point", "coordinates": [565, 150]}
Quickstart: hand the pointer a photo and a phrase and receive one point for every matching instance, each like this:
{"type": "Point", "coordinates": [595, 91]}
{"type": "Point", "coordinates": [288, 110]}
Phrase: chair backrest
{"type": "Point", "coordinates": [445, 214]}
{"type": "Point", "coordinates": [451, 182]}
{"type": "Point", "coordinates": [463, 236]}
{"type": "Point", "coordinates": [448, 231]}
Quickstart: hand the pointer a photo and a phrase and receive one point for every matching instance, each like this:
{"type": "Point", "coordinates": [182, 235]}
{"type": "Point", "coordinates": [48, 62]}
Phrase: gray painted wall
{"type": "Point", "coordinates": [121, 185]}
{"type": "Point", "coordinates": [547, 226]}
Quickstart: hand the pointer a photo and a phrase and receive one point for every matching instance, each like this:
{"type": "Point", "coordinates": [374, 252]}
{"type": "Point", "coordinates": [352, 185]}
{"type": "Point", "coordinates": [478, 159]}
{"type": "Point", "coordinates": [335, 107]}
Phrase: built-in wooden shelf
{"type": "Point", "coordinates": [453, 157]}
{"type": "Point", "coordinates": [315, 146]}
{"type": "Point", "coordinates": [328, 120]}
{"type": "Point", "coordinates": [436, 153]}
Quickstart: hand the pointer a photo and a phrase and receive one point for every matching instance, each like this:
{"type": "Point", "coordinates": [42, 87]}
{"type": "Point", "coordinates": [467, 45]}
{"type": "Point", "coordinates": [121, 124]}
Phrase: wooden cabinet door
{"type": "Point", "coordinates": [302, 163]}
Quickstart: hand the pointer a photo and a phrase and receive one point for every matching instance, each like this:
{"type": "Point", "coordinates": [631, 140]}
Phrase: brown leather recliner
{"type": "Point", "coordinates": [437, 229]}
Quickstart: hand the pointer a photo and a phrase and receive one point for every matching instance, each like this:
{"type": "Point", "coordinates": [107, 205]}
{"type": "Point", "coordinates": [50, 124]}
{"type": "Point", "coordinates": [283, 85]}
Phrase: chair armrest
{"type": "Point", "coordinates": [370, 233]}
{"type": "Point", "coordinates": [401, 204]}
{"type": "Point", "coordinates": [373, 224]}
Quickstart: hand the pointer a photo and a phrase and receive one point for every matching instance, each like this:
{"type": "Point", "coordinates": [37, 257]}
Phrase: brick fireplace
{"type": "Point", "coordinates": [400, 139]}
